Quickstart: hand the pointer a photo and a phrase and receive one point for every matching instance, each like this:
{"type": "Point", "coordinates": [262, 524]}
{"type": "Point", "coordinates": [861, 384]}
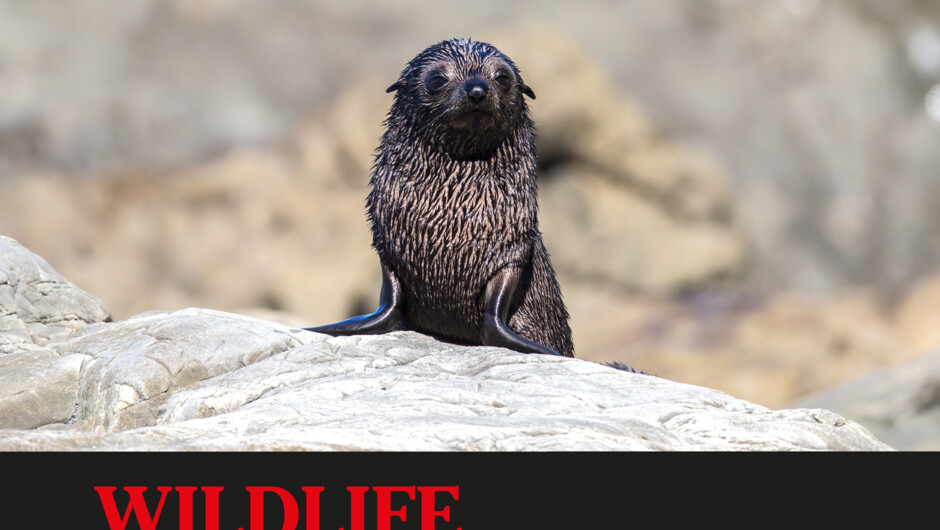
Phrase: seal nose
{"type": "Point", "coordinates": [476, 89]}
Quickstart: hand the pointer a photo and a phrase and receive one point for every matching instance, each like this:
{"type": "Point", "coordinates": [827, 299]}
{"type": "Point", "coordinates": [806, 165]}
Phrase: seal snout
{"type": "Point", "coordinates": [476, 90]}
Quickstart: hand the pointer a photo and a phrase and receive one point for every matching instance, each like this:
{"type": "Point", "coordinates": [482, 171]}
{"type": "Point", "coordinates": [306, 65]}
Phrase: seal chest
{"type": "Point", "coordinates": [453, 208]}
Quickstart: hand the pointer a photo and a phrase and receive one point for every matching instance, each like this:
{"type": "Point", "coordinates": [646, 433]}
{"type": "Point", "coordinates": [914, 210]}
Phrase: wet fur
{"type": "Point", "coordinates": [452, 205]}
{"type": "Point", "coordinates": [453, 209]}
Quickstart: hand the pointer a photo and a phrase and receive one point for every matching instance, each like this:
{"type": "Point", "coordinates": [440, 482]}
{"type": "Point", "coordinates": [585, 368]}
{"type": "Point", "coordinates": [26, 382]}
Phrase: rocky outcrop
{"type": "Point", "coordinates": [200, 379]}
{"type": "Point", "coordinates": [37, 304]}
{"type": "Point", "coordinates": [38, 307]}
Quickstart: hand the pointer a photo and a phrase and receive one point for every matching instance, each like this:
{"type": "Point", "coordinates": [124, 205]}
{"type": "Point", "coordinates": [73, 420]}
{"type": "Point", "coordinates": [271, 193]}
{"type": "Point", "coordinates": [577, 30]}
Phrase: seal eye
{"type": "Point", "coordinates": [436, 82]}
{"type": "Point", "coordinates": [503, 80]}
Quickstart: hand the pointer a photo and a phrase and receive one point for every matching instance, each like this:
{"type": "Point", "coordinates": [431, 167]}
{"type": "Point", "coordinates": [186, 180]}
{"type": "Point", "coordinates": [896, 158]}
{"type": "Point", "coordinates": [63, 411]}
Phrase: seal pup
{"type": "Point", "coordinates": [453, 209]}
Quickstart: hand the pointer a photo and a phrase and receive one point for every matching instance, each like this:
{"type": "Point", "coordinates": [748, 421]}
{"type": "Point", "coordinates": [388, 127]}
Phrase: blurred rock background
{"type": "Point", "coordinates": [738, 194]}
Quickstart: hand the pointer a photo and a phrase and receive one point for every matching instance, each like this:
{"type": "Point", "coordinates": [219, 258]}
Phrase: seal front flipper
{"type": "Point", "coordinates": [386, 318]}
{"type": "Point", "coordinates": [495, 332]}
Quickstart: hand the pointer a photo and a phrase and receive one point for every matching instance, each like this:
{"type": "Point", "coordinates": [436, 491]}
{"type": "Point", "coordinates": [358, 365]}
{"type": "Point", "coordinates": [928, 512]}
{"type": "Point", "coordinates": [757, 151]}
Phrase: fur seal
{"type": "Point", "coordinates": [453, 209]}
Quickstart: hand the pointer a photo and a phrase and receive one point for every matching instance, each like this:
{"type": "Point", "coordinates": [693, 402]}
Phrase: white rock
{"type": "Point", "coordinates": [36, 303]}
{"type": "Point", "coordinates": [204, 379]}
{"type": "Point", "coordinates": [199, 379]}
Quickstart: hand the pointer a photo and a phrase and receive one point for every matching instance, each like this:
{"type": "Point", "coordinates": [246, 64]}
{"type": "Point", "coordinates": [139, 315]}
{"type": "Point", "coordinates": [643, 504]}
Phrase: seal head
{"type": "Point", "coordinates": [461, 97]}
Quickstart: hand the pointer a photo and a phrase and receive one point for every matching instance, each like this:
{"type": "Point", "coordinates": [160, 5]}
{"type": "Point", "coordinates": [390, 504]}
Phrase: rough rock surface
{"type": "Point", "coordinates": [203, 379]}
{"type": "Point", "coordinates": [38, 306]}
{"type": "Point", "coordinates": [36, 303]}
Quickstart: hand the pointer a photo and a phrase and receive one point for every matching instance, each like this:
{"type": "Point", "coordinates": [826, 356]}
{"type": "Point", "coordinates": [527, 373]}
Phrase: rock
{"type": "Point", "coordinates": [205, 379]}
{"type": "Point", "coordinates": [37, 304]}
{"type": "Point", "coordinates": [202, 379]}
{"type": "Point", "coordinates": [136, 366]}
{"type": "Point", "coordinates": [38, 307]}
{"type": "Point", "coordinates": [38, 388]}
{"type": "Point", "coordinates": [899, 405]}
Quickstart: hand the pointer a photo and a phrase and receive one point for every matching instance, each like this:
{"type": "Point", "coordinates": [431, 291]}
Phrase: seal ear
{"type": "Point", "coordinates": [395, 86]}
{"type": "Point", "coordinates": [526, 90]}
